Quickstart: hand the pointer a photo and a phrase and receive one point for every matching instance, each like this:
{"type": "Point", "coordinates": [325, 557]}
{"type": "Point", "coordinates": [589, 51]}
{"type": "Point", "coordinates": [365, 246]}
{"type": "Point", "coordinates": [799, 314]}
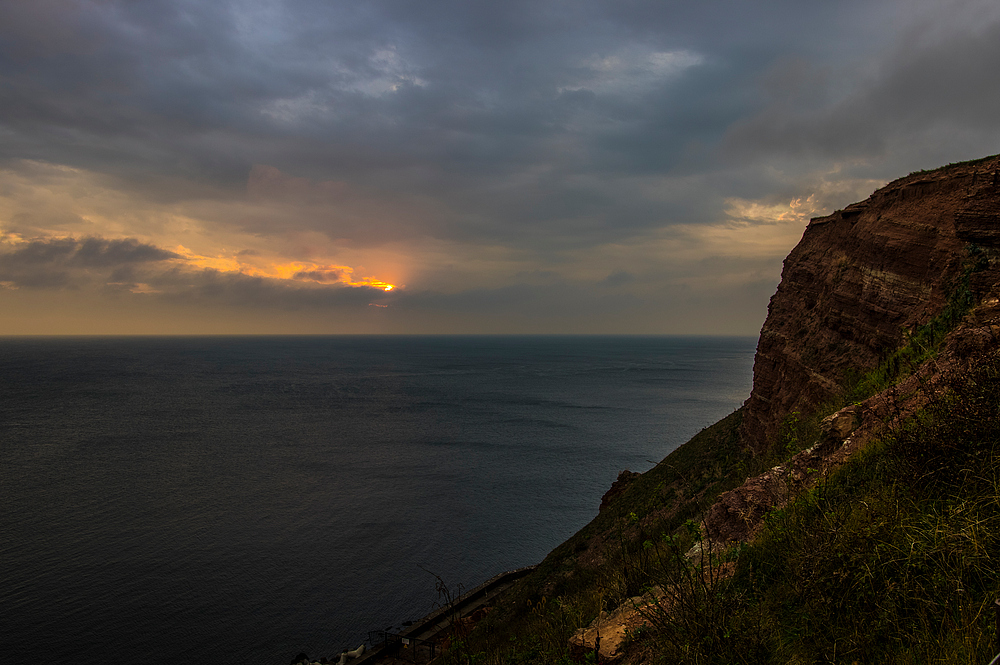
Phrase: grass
{"type": "Point", "coordinates": [535, 620]}
{"type": "Point", "coordinates": [971, 162]}
{"type": "Point", "coordinates": [892, 559]}
{"type": "Point", "coordinates": [799, 431]}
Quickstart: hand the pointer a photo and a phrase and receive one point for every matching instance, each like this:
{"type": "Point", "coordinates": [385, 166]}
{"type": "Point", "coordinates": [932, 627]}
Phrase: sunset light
{"type": "Point", "coordinates": [304, 303]}
{"type": "Point", "coordinates": [265, 166]}
{"type": "Point", "coordinates": [292, 271]}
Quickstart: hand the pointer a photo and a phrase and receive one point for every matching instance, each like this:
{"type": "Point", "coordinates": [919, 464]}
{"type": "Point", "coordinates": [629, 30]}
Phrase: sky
{"type": "Point", "coordinates": [405, 166]}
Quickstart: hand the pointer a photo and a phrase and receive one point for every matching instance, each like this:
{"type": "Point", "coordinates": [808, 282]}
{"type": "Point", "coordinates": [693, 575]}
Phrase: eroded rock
{"type": "Point", "coordinates": [861, 277]}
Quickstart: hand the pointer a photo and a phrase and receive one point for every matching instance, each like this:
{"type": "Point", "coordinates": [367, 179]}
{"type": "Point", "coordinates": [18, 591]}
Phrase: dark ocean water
{"type": "Point", "coordinates": [238, 500]}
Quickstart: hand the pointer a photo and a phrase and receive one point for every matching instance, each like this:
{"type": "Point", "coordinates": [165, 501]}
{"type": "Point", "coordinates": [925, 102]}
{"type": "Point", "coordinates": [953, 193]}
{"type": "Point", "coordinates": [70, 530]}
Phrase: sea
{"type": "Point", "coordinates": [244, 499]}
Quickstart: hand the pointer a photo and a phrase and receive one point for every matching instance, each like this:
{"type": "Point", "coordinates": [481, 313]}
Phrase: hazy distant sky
{"type": "Point", "coordinates": [619, 166]}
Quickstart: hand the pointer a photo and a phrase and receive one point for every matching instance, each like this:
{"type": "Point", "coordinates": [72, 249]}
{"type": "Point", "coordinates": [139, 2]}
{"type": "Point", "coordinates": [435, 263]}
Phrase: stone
{"type": "Point", "coordinates": [862, 277]}
{"type": "Point", "coordinates": [839, 425]}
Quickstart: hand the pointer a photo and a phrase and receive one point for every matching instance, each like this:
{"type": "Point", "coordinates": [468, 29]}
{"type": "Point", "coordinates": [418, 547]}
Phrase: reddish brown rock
{"type": "Point", "coordinates": [861, 277]}
{"type": "Point", "coordinates": [738, 514]}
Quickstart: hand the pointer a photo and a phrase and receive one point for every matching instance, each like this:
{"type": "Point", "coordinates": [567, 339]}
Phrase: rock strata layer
{"type": "Point", "coordinates": [861, 278]}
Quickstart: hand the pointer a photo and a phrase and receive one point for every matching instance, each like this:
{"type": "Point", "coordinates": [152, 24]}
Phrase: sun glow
{"type": "Point", "coordinates": [294, 271]}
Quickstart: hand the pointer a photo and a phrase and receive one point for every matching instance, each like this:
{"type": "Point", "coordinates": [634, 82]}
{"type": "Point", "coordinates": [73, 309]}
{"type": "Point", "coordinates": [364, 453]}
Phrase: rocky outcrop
{"type": "Point", "coordinates": [863, 276]}
{"type": "Point", "coordinates": [857, 282]}
{"type": "Point", "coordinates": [625, 478]}
{"type": "Point", "coordinates": [736, 515]}
{"type": "Point", "coordinates": [610, 633]}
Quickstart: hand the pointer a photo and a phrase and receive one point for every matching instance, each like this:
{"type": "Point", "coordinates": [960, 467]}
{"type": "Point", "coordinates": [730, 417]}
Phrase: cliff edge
{"type": "Point", "coordinates": [864, 277]}
{"type": "Point", "coordinates": [851, 498]}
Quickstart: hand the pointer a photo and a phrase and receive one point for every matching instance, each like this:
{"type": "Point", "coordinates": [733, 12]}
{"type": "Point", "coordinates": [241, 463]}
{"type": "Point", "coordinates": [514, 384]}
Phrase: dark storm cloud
{"type": "Point", "coordinates": [464, 101]}
{"type": "Point", "coordinates": [128, 265]}
{"type": "Point", "coordinates": [931, 97]}
{"type": "Point", "coordinates": [51, 262]}
{"type": "Point", "coordinates": [100, 253]}
{"type": "Point", "coordinates": [606, 144]}
{"type": "Point", "coordinates": [85, 252]}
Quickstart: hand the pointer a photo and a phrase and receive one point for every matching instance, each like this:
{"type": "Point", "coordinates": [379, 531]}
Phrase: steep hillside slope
{"type": "Point", "coordinates": [863, 277]}
{"type": "Point", "coordinates": [850, 510]}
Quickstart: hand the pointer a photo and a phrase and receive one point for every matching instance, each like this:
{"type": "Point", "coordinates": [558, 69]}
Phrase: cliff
{"type": "Point", "coordinates": [847, 512]}
{"type": "Point", "coordinates": [861, 279]}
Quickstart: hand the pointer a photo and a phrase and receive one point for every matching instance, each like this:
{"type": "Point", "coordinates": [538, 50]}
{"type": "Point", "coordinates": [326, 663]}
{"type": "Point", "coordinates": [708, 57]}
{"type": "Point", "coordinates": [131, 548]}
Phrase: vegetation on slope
{"type": "Point", "coordinates": [891, 559]}
{"type": "Point", "coordinates": [595, 569]}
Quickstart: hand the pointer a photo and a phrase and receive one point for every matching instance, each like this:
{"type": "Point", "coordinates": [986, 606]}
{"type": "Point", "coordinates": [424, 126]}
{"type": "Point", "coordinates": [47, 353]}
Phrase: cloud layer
{"type": "Point", "coordinates": [546, 166]}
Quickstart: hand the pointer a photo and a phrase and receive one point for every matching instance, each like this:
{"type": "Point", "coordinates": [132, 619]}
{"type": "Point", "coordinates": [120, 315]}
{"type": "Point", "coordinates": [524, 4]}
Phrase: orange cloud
{"type": "Point", "coordinates": [297, 271]}
{"type": "Point", "coordinates": [220, 263]}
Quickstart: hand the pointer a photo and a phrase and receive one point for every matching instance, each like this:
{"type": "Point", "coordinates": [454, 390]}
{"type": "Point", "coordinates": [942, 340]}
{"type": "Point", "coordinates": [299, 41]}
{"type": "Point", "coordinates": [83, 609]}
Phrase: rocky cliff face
{"type": "Point", "coordinates": [863, 276]}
